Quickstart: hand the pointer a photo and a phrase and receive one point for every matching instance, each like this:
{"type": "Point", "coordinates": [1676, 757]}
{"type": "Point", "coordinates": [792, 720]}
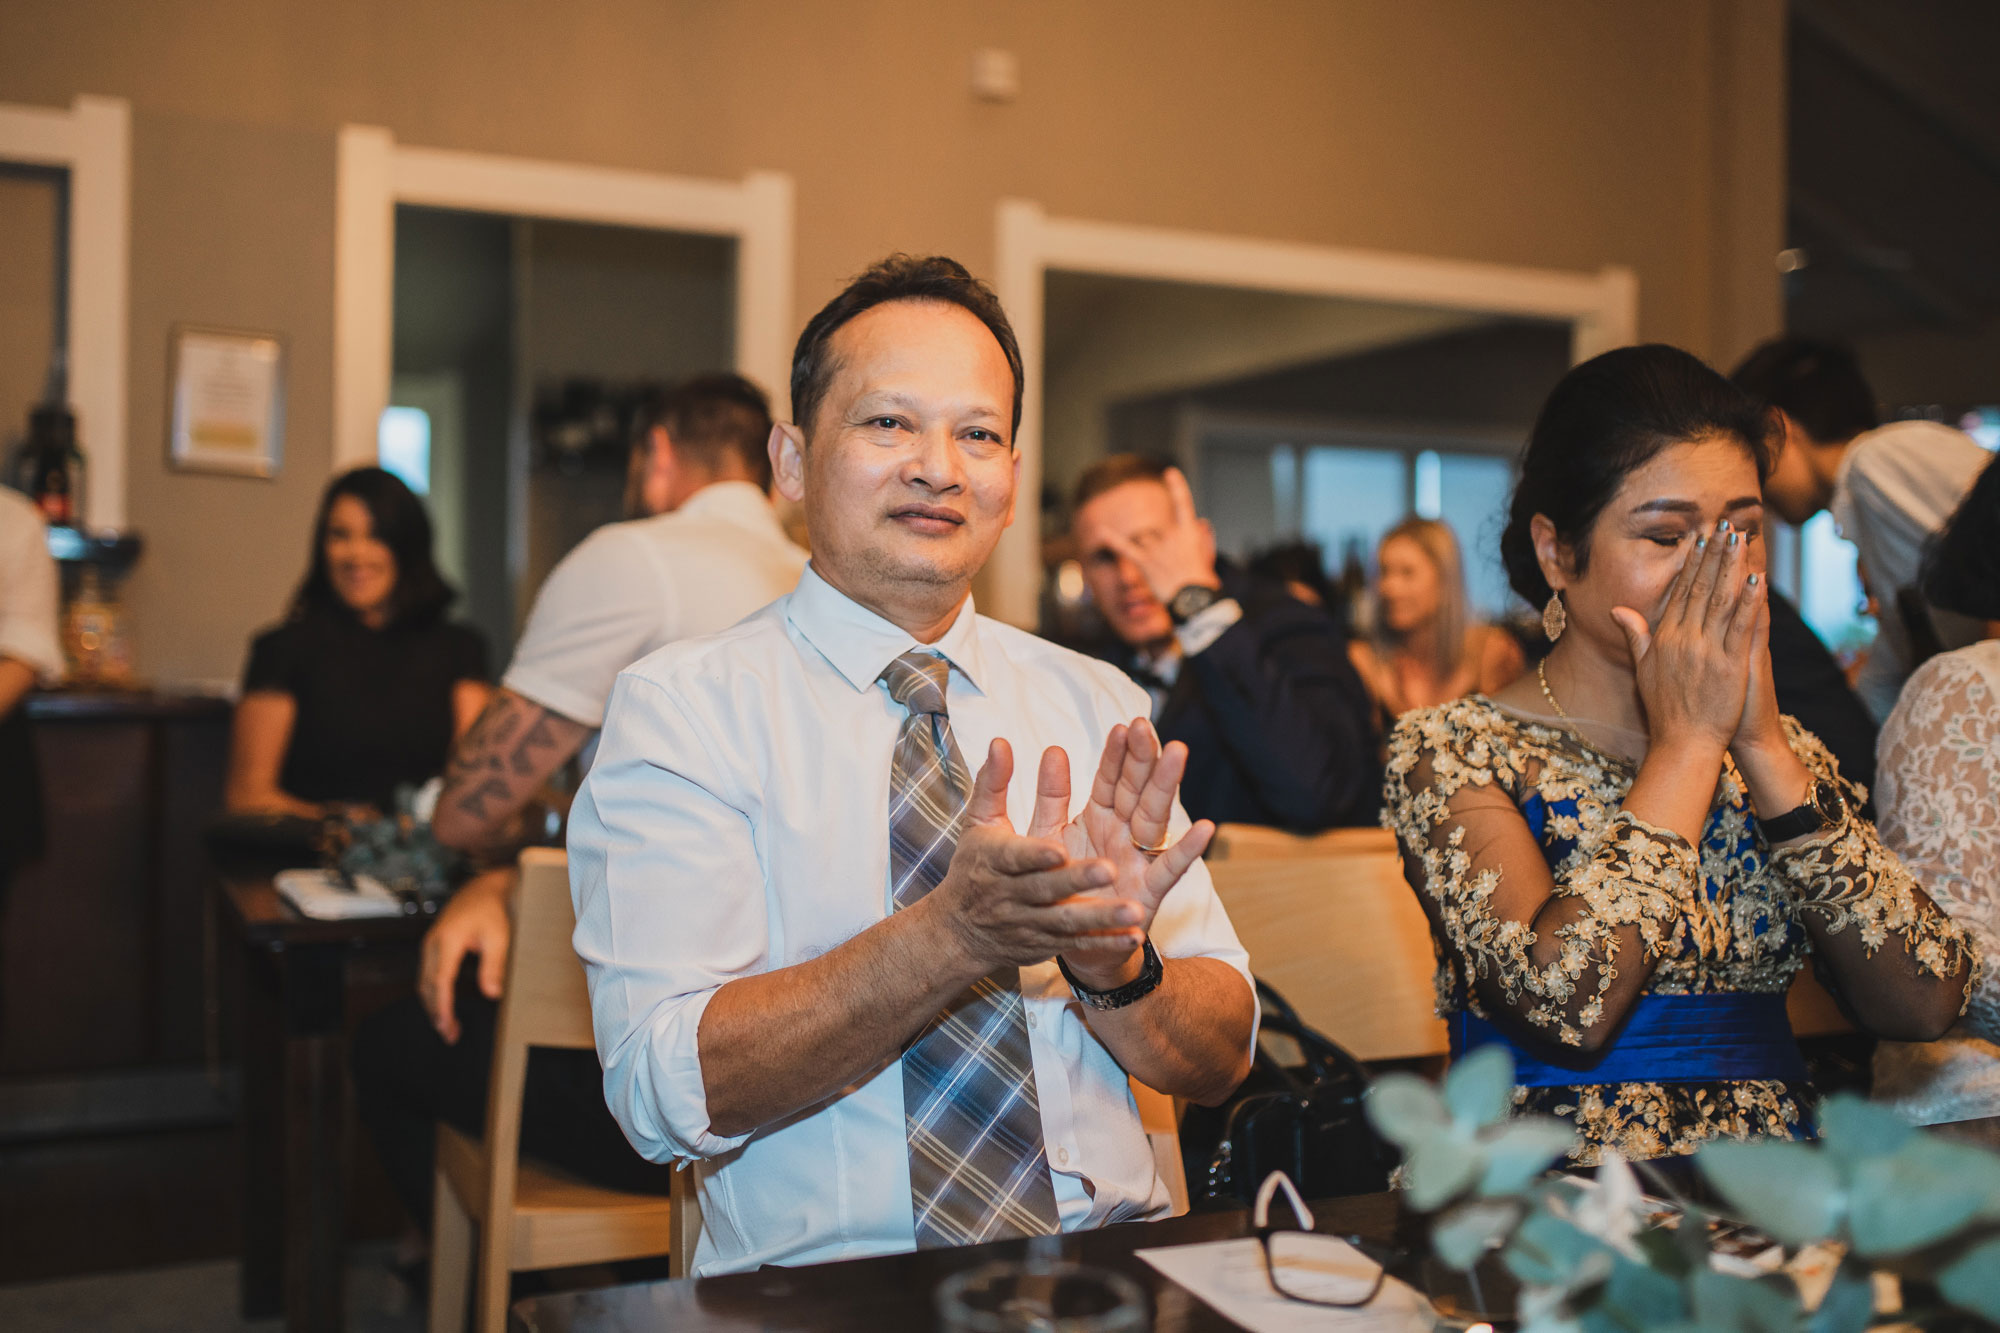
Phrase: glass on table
{"type": "Point", "coordinates": [1041, 1296]}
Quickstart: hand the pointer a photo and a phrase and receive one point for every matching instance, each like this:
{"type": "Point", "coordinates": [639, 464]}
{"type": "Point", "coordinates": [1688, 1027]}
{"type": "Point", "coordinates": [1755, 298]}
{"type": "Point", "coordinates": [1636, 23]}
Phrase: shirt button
{"type": "Point", "coordinates": [1031, 1019]}
{"type": "Point", "coordinates": [1062, 1157]}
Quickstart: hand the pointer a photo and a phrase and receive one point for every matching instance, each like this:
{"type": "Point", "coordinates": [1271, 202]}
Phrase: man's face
{"type": "Point", "coordinates": [908, 471]}
{"type": "Point", "coordinates": [1792, 490]}
{"type": "Point", "coordinates": [1138, 511]}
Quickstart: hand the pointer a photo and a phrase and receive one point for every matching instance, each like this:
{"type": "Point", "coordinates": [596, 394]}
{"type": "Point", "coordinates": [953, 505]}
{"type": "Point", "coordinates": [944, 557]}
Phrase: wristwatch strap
{"type": "Point", "coordinates": [1825, 805]}
{"type": "Point", "coordinates": [1151, 970]}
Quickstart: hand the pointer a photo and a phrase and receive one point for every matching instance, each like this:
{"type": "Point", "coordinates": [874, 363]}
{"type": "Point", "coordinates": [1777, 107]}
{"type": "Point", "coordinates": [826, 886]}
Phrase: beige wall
{"type": "Point", "coordinates": [1565, 133]}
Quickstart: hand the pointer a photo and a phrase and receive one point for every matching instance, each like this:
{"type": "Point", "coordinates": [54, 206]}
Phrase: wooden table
{"type": "Point", "coordinates": [299, 975]}
{"type": "Point", "coordinates": [894, 1292]}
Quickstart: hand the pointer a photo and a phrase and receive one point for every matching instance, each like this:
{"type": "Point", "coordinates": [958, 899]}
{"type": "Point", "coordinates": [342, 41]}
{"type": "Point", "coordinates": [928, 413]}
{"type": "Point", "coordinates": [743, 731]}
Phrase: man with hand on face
{"type": "Point", "coordinates": [1257, 684]}
{"type": "Point", "coordinates": [878, 1001]}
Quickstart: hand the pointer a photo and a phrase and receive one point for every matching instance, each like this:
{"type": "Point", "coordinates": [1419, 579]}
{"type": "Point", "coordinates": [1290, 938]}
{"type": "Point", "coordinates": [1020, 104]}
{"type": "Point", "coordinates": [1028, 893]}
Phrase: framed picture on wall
{"type": "Point", "coordinates": [226, 401]}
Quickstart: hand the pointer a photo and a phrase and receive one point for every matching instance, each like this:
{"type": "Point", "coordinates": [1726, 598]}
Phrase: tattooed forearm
{"type": "Point", "coordinates": [513, 747]}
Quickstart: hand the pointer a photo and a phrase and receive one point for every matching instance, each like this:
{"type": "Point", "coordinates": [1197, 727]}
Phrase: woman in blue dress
{"type": "Point", "coordinates": [1627, 855]}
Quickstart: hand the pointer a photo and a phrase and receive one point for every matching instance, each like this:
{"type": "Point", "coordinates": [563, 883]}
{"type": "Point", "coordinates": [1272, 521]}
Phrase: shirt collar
{"type": "Point", "coordinates": [860, 644]}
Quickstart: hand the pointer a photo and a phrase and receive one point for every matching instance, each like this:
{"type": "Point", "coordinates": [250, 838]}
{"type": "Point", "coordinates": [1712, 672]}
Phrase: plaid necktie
{"type": "Point", "coordinates": [978, 1170]}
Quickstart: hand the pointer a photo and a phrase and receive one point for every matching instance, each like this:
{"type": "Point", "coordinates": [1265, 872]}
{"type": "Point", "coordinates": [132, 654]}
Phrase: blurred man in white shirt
{"type": "Point", "coordinates": [1889, 489]}
{"type": "Point", "coordinates": [824, 965]}
{"type": "Point", "coordinates": [30, 651]}
{"type": "Point", "coordinates": [709, 552]}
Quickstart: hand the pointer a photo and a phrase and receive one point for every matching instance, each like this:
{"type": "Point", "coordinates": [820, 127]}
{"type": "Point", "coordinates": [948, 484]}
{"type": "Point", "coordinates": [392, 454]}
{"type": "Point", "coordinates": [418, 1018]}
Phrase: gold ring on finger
{"type": "Point", "coordinates": [1154, 850]}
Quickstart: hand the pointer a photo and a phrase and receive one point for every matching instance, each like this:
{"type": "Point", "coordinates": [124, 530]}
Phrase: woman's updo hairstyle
{"type": "Point", "coordinates": [1603, 421]}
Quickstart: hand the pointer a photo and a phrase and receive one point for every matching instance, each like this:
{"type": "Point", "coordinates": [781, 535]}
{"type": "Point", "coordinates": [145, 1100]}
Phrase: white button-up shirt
{"type": "Point", "coordinates": [736, 821]}
{"type": "Point", "coordinates": [631, 587]}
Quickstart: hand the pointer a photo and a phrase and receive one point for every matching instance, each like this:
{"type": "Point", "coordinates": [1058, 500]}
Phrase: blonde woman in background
{"type": "Point", "coordinates": [1424, 649]}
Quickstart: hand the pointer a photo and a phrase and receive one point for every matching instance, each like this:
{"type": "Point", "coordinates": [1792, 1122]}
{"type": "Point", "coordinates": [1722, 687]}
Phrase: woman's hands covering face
{"type": "Point", "coordinates": [1702, 662]}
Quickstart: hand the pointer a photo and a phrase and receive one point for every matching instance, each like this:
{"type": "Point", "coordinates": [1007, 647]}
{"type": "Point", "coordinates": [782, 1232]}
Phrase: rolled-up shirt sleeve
{"type": "Point", "coordinates": [670, 906]}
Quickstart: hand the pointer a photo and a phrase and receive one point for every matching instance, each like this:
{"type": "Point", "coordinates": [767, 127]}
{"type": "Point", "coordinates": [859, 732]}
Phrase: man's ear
{"type": "Point", "coordinates": [787, 448]}
{"type": "Point", "coordinates": [1551, 552]}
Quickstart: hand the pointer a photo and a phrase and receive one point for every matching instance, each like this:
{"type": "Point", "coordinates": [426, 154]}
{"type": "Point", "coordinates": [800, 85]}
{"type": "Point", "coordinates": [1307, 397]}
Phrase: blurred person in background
{"type": "Point", "coordinates": [1254, 681]}
{"type": "Point", "coordinates": [1939, 786]}
{"type": "Point", "coordinates": [1889, 489]}
{"type": "Point", "coordinates": [366, 684]}
{"type": "Point", "coordinates": [706, 551]}
{"type": "Point", "coordinates": [1628, 854]}
{"type": "Point", "coordinates": [1424, 648]}
{"type": "Point", "coordinates": [30, 653]}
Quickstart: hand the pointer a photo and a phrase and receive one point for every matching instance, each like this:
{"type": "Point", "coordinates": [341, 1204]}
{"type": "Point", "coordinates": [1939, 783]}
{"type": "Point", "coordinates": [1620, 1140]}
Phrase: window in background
{"type": "Point", "coordinates": [403, 446]}
{"type": "Point", "coordinates": [1983, 425]}
{"type": "Point", "coordinates": [1830, 594]}
{"type": "Point", "coordinates": [1472, 497]}
{"type": "Point", "coordinates": [1350, 498]}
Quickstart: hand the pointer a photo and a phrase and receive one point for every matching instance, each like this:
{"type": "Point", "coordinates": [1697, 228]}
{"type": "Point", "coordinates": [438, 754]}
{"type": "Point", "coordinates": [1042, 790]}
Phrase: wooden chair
{"type": "Point", "coordinates": [1254, 842]}
{"type": "Point", "coordinates": [1329, 922]}
{"type": "Point", "coordinates": [530, 1216]}
{"type": "Point", "coordinates": [1161, 1116]}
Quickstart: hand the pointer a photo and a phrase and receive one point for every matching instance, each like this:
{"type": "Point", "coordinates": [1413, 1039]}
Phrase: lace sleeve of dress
{"type": "Point", "coordinates": [1565, 952]}
{"type": "Point", "coordinates": [1936, 787]}
{"type": "Point", "coordinates": [1849, 878]}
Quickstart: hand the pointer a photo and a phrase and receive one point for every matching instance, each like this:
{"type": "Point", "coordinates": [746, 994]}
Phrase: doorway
{"type": "Point", "coordinates": [1297, 310]}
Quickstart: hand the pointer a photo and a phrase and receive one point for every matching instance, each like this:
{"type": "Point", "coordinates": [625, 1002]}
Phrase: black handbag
{"type": "Point", "coordinates": [1306, 1120]}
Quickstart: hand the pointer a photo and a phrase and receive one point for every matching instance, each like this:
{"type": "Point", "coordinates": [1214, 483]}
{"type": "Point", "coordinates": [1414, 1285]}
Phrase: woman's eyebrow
{"type": "Point", "coordinates": [1690, 507]}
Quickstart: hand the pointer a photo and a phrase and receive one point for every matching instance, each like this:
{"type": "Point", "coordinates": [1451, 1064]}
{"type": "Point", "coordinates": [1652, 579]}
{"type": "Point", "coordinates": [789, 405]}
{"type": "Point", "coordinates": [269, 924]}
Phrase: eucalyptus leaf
{"type": "Point", "coordinates": [1440, 1168]}
{"type": "Point", "coordinates": [1664, 1252]}
{"type": "Point", "coordinates": [1972, 1280]}
{"type": "Point", "coordinates": [1466, 1233]}
{"type": "Point", "coordinates": [1406, 1110]}
{"type": "Point", "coordinates": [1639, 1297]}
{"type": "Point", "coordinates": [1520, 1150]}
{"type": "Point", "coordinates": [1548, 1252]}
{"type": "Point", "coordinates": [1747, 1305]}
{"type": "Point", "coordinates": [1479, 1089]}
{"type": "Point", "coordinates": [1849, 1302]}
{"type": "Point", "coordinates": [1919, 1194]}
{"type": "Point", "coordinates": [1788, 1189]}
{"type": "Point", "coordinates": [1854, 1129]}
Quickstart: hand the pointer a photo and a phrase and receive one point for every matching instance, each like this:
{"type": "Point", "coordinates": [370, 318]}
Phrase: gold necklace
{"type": "Point", "coordinates": [1542, 674]}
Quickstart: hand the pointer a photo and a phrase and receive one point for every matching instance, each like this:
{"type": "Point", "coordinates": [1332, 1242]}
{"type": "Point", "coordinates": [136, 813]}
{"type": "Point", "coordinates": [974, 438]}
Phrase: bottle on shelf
{"type": "Point", "coordinates": [54, 466]}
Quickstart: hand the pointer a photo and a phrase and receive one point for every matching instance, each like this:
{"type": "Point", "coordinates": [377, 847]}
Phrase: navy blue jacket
{"type": "Point", "coordinates": [1279, 728]}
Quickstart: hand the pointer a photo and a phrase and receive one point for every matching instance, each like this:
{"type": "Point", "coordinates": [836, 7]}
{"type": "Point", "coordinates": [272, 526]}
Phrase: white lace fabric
{"type": "Point", "coordinates": [1938, 794]}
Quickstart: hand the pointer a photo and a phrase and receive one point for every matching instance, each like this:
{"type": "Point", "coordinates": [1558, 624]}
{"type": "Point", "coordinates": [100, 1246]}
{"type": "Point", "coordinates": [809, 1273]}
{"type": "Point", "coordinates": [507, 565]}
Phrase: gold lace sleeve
{"type": "Point", "coordinates": [1847, 878]}
{"type": "Point", "coordinates": [1565, 950]}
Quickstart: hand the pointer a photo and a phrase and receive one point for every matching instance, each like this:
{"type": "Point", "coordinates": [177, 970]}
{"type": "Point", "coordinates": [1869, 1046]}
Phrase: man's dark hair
{"type": "Point", "coordinates": [1604, 420]}
{"type": "Point", "coordinates": [711, 419]}
{"type": "Point", "coordinates": [1108, 474]}
{"type": "Point", "coordinates": [1961, 572]}
{"type": "Point", "coordinates": [900, 277]}
{"type": "Point", "coordinates": [397, 519]}
{"type": "Point", "coordinates": [1818, 384]}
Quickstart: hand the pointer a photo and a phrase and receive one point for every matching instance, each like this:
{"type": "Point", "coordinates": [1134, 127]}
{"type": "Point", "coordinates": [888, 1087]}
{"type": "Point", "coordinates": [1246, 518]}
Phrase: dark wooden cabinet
{"type": "Point", "coordinates": [106, 951]}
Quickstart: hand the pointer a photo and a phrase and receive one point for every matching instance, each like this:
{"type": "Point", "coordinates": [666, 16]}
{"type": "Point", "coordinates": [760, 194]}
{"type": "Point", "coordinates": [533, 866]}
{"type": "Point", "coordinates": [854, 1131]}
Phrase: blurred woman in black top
{"type": "Point", "coordinates": [365, 685]}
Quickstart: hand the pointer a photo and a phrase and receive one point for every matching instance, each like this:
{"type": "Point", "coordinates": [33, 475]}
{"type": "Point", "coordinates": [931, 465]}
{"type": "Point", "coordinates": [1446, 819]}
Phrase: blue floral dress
{"type": "Point", "coordinates": [1508, 825]}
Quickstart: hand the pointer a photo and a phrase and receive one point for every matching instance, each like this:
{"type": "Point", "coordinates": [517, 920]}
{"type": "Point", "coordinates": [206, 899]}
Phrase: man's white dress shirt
{"type": "Point", "coordinates": [737, 821]}
{"type": "Point", "coordinates": [1896, 486]}
{"type": "Point", "coordinates": [629, 588]}
{"type": "Point", "coordinates": [28, 601]}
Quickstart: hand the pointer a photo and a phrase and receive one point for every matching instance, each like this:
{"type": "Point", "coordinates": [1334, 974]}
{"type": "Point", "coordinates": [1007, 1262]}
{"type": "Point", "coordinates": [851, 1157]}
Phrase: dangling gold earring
{"type": "Point", "coordinates": [1555, 618]}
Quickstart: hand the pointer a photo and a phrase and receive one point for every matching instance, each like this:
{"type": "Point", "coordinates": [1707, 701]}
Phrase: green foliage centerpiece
{"type": "Point", "coordinates": [1875, 1194]}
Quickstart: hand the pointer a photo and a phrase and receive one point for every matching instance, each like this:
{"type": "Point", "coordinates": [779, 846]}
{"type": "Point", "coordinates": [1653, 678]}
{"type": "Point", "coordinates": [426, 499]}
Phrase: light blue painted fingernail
{"type": "Point", "coordinates": [1733, 536]}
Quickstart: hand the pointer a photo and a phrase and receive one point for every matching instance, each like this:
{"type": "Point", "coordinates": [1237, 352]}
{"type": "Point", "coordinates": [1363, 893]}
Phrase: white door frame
{"type": "Point", "coordinates": [375, 173]}
{"type": "Point", "coordinates": [92, 141]}
{"type": "Point", "coordinates": [1602, 307]}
